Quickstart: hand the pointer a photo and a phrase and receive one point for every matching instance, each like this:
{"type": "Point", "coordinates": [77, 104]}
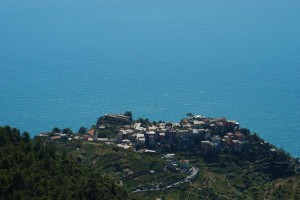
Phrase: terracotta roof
{"type": "Point", "coordinates": [91, 132]}
{"type": "Point", "coordinates": [55, 137]}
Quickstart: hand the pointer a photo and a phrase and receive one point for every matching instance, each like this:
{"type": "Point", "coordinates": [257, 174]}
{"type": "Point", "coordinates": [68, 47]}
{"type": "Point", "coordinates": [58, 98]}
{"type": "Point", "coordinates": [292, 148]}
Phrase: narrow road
{"type": "Point", "coordinates": [189, 177]}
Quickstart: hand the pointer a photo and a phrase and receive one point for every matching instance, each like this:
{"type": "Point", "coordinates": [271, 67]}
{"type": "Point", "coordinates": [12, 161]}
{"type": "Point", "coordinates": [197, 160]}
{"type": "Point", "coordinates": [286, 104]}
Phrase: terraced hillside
{"type": "Point", "coordinates": [133, 170]}
{"type": "Point", "coordinates": [226, 175]}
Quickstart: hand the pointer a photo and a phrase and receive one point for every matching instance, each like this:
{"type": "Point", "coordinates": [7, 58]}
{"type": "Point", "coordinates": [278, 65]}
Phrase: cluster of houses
{"type": "Point", "coordinates": [196, 131]}
{"type": "Point", "coordinates": [54, 136]}
{"type": "Point", "coordinates": [205, 133]}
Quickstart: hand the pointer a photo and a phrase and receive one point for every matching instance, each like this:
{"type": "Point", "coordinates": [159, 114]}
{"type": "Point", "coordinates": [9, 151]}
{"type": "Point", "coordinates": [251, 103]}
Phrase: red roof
{"type": "Point", "coordinates": [91, 132]}
{"type": "Point", "coordinates": [55, 137]}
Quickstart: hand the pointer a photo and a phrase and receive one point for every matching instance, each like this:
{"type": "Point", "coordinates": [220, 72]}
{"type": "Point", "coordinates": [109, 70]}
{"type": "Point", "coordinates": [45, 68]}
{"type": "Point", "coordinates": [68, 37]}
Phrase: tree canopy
{"type": "Point", "coordinates": [189, 114]}
{"type": "Point", "coordinates": [33, 169]}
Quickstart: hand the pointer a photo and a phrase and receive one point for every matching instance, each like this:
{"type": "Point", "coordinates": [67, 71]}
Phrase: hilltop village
{"type": "Point", "coordinates": [195, 131]}
{"type": "Point", "coordinates": [159, 157]}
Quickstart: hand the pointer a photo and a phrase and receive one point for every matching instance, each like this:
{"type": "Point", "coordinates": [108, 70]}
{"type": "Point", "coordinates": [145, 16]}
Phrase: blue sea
{"type": "Point", "coordinates": [64, 63]}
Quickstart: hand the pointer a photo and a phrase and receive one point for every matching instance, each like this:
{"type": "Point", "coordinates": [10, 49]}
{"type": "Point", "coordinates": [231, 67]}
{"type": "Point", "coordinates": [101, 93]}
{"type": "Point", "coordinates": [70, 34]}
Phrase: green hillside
{"type": "Point", "coordinates": [133, 169]}
{"type": "Point", "coordinates": [80, 169]}
{"type": "Point", "coordinates": [35, 170]}
{"type": "Point", "coordinates": [226, 175]}
{"type": "Point", "coordinates": [287, 188]}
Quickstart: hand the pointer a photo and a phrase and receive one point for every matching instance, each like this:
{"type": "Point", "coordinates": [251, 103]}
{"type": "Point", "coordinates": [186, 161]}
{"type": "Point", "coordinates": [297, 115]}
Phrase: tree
{"type": "Point", "coordinates": [67, 131]}
{"type": "Point", "coordinates": [3, 138]}
{"type": "Point", "coordinates": [128, 114]}
{"type": "Point", "coordinates": [5, 164]}
{"type": "Point", "coordinates": [91, 189]}
{"type": "Point", "coordinates": [82, 130]}
{"type": "Point", "coordinates": [113, 188]}
{"type": "Point", "coordinates": [26, 137]}
{"type": "Point", "coordinates": [55, 130]}
{"type": "Point", "coordinates": [189, 114]}
{"type": "Point", "coordinates": [18, 179]}
{"type": "Point", "coordinates": [100, 120]}
{"type": "Point", "coordinates": [245, 131]}
{"type": "Point", "coordinates": [39, 172]}
{"type": "Point", "coordinates": [256, 137]}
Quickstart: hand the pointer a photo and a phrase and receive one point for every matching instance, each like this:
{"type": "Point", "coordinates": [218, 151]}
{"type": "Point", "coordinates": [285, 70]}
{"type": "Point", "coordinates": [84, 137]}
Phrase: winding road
{"type": "Point", "coordinates": [191, 176]}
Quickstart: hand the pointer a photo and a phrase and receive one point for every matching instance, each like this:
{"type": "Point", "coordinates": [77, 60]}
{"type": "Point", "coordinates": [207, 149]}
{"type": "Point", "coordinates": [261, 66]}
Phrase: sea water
{"type": "Point", "coordinates": [65, 63]}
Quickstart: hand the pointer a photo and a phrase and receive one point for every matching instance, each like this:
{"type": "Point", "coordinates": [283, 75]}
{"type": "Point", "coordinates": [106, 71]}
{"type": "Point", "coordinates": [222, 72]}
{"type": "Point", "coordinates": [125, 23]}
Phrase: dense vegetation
{"type": "Point", "coordinates": [36, 169]}
{"type": "Point", "coordinates": [226, 175]}
{"type": "Point", "coordinates": [33, 169]}
{"type": "Point", "coordinates": [230, 177]}
{"type": "Point", "coordinates": [133, 169]}
{"type": "Point", "coordinates": [280, 189]}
